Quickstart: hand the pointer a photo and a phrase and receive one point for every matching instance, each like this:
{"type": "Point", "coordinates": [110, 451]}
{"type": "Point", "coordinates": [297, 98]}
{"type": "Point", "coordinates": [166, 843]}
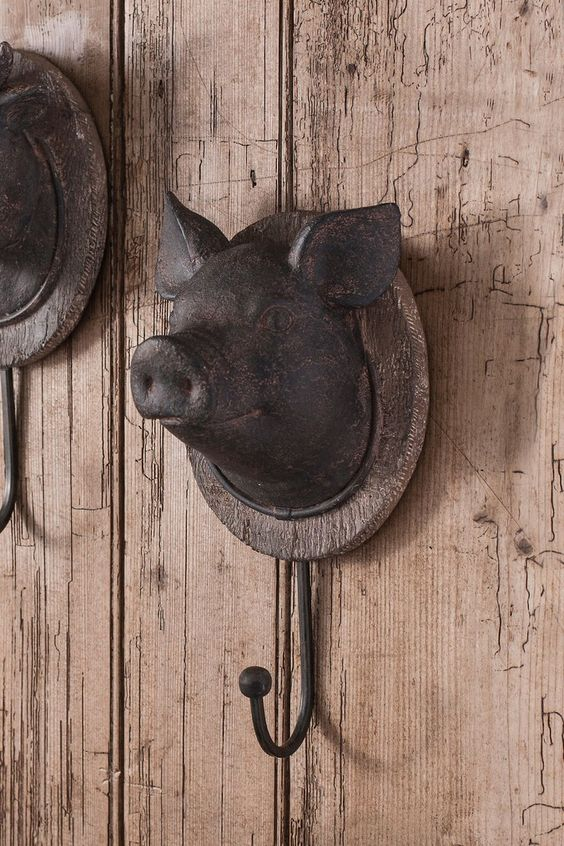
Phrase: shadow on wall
{"type": "Point", "coordinates": [481, 424]}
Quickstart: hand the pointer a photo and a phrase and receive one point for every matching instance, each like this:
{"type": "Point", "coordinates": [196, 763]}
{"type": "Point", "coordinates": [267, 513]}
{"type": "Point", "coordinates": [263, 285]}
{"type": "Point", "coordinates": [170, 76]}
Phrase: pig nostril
{"type": "Point", "coordinates": [147, 384]}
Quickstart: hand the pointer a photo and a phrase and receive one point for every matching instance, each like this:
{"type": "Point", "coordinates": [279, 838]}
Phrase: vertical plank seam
{"type": "Point", "coordinates": [289, 107]}
{"type": "Point", "coordinates": [285, 202]}
{"type": "Point", "coordinates": [285, 182]}
{"type": "Point", "coordinates": [286, 585]}
{"type": "Point", "coordinates": [116, 235]}
{"type": "Point", "coordinates": [276, 785]}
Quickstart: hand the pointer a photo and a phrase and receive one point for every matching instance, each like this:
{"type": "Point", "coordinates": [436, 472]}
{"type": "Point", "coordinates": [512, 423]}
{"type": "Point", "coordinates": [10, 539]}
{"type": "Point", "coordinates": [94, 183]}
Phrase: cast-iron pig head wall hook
{"type": "Point", "coordinates": [52, 222]}
{"type": "Point", "coordinates": [264, 370]}
{"type": "Point", "coordinates": [295, 371]}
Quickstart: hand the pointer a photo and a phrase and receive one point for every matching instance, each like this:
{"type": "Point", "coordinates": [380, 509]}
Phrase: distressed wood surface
{"type": "Point", "coordinates": [440, 676]}
{"type": "Point", "coordinates": [439, 643]}
{"type": "Point", "coordinates": [56, 555]}
{"type": "Point", "coordinates": [201, 107]}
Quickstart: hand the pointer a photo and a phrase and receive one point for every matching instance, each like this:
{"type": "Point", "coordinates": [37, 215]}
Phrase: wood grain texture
{"type": "Point", "coordinates": [56, 556]}
{"type": "Point", "coordinates": [201, 119]}
{"type": "Point", "coordinates": [440, 642]}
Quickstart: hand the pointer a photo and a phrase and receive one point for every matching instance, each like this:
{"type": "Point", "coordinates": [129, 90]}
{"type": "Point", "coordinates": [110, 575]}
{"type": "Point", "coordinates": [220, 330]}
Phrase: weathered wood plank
{"type": "Point", "coordinates": [440, 644]}
{"type": "Point", "coordinates": [56, 555]}
{"type": "Point", "coordinates": [202, 119]}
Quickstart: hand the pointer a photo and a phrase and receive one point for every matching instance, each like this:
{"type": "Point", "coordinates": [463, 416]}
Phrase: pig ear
{"type": "Point", "coordinates": [351, 256]}
{"type": "Point", "coordinates": [187, 240]}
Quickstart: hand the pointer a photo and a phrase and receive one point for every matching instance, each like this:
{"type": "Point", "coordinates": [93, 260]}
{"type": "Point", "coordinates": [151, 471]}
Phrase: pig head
{"type": "Point", "coordinates": [264, 370]}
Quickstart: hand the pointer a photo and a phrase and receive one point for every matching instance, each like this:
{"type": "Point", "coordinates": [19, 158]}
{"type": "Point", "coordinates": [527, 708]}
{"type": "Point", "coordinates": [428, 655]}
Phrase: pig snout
{"type": "Point", "coordinates": [168, 381]}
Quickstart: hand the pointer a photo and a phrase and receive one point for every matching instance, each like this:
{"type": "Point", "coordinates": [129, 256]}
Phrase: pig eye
{"type": "Point", "coordinates": [276, 319]}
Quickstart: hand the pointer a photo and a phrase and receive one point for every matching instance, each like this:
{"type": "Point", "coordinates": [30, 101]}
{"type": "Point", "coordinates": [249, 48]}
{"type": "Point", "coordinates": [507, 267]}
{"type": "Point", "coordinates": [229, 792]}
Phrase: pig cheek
{"type": "Point", "coordinates": [246, 383]}
{"type": "Point", "coordinates": [238, 391]}
{"type": "Point", "coordinates": [320, 373]}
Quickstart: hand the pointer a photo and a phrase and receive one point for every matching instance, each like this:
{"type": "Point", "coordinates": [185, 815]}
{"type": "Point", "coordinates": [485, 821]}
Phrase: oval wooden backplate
{"type": "Point", "coordinates": [395, 344]}
{"type": "Point", "coordinates": [55, 254]}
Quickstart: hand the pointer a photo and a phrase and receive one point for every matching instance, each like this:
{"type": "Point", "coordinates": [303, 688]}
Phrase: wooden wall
{"type": "Point", "coordinates": [127, 611]}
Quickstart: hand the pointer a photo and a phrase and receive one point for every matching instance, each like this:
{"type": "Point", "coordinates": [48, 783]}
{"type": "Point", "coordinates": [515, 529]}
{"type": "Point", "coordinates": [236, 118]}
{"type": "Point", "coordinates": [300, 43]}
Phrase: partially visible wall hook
{"type": "Point", "coordinates": [10, 446]}
{"type": "Point", "coordinates": [256, 682]}
{"type": "Point", "coordinates": [53, 205]}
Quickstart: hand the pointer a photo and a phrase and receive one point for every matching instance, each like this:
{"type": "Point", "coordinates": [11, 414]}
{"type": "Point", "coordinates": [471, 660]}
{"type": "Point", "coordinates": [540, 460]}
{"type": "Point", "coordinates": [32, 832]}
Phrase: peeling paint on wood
{"type": "Point", "coordinates": [439, 643]}
{"type": "Point", "coordinates": [431, 725]}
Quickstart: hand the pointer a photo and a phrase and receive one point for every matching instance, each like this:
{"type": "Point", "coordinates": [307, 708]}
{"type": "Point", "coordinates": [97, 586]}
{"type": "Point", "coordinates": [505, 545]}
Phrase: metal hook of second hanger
{"type": "Point", "coordinates": [255, 682]}
{"type": "Point", "coordinates": [10, 446]}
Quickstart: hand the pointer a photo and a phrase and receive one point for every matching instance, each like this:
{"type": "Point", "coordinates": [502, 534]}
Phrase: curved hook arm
{"type": "Point", "coordinates": [10, 447]}
{"type": "Point", "coordinates": [255, 682]}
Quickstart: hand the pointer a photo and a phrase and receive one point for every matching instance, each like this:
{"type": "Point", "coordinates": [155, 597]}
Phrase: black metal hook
{"type": "Point", "coordinates": [10, 446]}
{"type": "Point", "coordinates": [256, 682]}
